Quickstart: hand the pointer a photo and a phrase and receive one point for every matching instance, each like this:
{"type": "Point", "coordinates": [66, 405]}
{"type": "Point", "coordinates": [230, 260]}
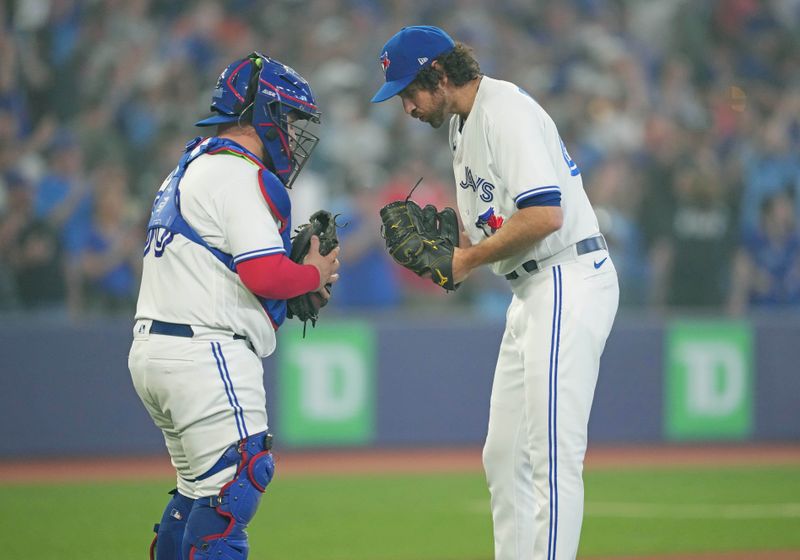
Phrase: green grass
{"type": "Point", "coordinates": [419, 517]}
{"type": "Point", "coordinates": [692, 510]}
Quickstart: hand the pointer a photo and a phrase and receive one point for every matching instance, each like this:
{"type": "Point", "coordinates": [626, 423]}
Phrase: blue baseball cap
{"type": "Point", "coordinates": [409, 51]}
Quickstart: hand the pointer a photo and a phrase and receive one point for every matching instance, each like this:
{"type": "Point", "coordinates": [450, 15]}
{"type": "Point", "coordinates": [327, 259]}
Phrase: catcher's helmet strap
{"type": "Point", "coordinates": [256, 63]}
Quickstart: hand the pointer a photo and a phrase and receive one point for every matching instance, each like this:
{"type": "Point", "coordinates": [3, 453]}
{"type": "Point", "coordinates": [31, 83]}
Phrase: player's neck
{"type": "Point", "coordinates": [246, 137]}
{"type": "Point", "coordinates": [463, 98]}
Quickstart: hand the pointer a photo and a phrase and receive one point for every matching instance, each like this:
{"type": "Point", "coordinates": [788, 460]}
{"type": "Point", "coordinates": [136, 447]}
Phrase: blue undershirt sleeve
{"type": "Point", "coordinates": [552, 198]}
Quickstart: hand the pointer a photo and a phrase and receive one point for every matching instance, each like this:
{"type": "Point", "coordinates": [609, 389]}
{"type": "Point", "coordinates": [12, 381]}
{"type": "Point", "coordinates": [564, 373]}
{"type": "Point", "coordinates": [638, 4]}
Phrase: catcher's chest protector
{"type": "Point", "coordinates": [166, 220]}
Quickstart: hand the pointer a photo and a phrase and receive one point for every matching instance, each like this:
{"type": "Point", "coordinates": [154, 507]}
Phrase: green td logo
{"type": "Point", "coordinates": [326, 385]}
{"type": "Point", "coordinates": [708, 380]}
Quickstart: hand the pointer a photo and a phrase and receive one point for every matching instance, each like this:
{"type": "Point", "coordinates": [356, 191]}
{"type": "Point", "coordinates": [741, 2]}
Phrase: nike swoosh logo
{"type": "Point", "coordinates": [599, 264]}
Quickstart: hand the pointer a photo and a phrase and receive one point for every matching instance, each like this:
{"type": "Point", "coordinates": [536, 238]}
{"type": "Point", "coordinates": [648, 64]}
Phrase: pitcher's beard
{"type": "Point", "coordinates": [436, 117]}
{"type": "Point", "coordinates": [436, 120]}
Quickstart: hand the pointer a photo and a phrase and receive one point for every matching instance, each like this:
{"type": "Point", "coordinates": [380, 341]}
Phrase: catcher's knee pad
{"type": "Point", "coordinates": [168, 543]}
{"type": "Point", "coordinates": [216, 526]}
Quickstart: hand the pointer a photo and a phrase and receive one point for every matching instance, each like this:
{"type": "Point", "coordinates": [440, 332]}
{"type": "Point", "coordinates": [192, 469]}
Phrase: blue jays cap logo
{"type": "Point", "coordinates": [385, 62]}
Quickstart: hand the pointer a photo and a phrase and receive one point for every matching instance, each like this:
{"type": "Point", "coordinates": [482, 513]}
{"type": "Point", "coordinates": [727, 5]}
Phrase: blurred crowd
{"type": "Point", "coordinates": [683, 115]}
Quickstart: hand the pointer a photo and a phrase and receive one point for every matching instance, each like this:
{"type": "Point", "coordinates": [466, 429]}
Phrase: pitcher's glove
{"type": "Point", "coordinates": [422, 239]}
{"type": "Point", "coordinates": [322, 224]}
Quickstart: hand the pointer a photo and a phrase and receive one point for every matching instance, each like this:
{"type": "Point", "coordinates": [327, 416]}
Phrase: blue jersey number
{"type": "Point", "coordinates": [573, 167]}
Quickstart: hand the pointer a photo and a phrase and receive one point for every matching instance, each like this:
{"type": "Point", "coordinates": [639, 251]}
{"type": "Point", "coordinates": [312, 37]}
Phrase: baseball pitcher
{"type": "Point", "coordinates": [525, 214]}
{"type": "Point", "coordinates": [216, 281]}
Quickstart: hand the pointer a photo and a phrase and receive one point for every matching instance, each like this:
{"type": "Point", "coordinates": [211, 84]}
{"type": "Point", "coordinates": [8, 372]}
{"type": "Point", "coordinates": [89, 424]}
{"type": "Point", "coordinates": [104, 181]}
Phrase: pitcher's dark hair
{"type": "Point", "coordinates": [459, 65]}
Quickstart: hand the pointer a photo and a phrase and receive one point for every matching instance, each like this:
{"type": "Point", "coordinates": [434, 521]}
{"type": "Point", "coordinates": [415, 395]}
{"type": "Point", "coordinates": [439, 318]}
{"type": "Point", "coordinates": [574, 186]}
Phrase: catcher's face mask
{"type": "Point", "coordinates": [296, 127]}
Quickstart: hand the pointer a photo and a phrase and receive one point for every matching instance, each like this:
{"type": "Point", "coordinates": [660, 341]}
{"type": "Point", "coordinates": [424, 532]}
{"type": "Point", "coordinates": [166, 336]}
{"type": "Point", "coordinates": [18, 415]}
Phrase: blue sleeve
{"type": "Point", "coordinates": [551, 198]}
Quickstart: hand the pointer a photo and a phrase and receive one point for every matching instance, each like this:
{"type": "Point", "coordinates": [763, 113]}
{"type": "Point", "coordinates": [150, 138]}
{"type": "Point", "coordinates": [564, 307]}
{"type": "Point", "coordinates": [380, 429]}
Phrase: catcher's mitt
{"type": "Point", "coordinates": [422, 239]}
{"type": "Point", "coordinates": [322, 224]}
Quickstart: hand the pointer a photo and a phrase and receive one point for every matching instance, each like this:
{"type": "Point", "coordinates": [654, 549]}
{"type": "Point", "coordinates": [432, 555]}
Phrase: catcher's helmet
{"type": "Point", "coordinates": [274, 99]}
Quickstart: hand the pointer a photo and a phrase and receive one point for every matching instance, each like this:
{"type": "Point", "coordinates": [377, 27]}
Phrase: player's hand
{"type": "Point", "coordinates": [327, 265]}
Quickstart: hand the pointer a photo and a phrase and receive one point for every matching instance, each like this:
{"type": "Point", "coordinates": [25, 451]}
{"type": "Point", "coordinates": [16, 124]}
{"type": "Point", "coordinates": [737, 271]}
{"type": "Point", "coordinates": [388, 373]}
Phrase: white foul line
{"type": "Point", "coordinates": [696, 511]}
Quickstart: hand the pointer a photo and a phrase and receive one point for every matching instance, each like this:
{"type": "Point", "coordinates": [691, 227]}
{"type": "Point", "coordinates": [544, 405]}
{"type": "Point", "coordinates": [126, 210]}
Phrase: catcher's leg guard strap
{"type": "Point", "coordinates": [229, 458]}
{"type": "Point", "coordinates": [216, 527]}
{"type": "Point", "coordinates": [168, 543]}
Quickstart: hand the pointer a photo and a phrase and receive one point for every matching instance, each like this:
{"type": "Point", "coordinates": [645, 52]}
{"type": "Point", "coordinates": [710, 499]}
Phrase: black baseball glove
{"type": "Point", "coordinates": [422, 239]}
{"type": "Point", "coordinates": [322, 224]}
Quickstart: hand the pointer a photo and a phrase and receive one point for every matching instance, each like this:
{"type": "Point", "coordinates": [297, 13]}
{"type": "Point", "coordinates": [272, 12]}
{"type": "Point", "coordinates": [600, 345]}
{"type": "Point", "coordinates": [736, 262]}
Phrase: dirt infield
{"type": "Point", "coordinates": [397, 461]}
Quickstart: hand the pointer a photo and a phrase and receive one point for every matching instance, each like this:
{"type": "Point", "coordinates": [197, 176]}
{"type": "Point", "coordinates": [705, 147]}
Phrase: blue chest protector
{"type": "Point", "coordinates": [166, 220]}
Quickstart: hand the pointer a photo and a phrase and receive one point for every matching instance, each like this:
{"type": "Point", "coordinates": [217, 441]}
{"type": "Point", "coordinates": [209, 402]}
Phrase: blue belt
{"type": "Point", "coordinates": [178, 329]}
{"type": "Point", "coordinates": [588, 245]}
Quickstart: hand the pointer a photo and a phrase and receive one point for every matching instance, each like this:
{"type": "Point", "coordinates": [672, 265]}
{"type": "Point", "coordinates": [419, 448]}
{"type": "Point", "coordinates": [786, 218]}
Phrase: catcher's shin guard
{"type": "Point", "coordinates": [216, 526]}
{"type": "Point", "coordinates": [168, 542]}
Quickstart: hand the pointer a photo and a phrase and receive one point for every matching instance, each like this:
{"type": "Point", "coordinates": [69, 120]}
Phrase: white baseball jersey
{"type": "Point", "coordinates": [206, 392]}
{"type": "Point", "coordinates": [182, 282]}
{"type": "Point", "coordinates": [506, 155]}
{"type": "Point", "coordinates": [507, 152]}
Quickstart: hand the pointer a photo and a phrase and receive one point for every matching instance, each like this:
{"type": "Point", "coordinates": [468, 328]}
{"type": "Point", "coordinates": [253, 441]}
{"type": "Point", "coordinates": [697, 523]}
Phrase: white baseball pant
{"type": "Point", "coordinates": [204, 393]}
{"type": "Point", "coordinates": [544, 382]}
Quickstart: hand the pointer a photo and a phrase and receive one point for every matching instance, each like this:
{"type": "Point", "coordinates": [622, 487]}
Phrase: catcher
{"type": "Point", "coordinates": [215, 285]}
